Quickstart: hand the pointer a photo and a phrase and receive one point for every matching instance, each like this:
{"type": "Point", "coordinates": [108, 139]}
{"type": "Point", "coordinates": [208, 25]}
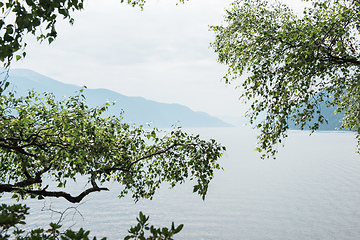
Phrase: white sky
{"type": "Point", "coordinates": [161, 53]}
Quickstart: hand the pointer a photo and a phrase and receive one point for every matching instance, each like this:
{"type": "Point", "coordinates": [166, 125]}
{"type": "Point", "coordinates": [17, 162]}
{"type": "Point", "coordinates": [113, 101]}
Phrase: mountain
{"type": "Point", "coordinates": [137, 110]}
{"type": "Point", "coordinates": [334, 120]}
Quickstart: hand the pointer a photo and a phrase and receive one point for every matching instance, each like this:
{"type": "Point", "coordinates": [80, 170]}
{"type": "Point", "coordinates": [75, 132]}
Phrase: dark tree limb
{"type": "Point", "coordinates": [58, 194]}
{"type": "Point", "coordinates": [341, 60]}
{"type": "Point", "coordinates": [32, 180]}
{"type": "Point", "coordinates": [17, 148]}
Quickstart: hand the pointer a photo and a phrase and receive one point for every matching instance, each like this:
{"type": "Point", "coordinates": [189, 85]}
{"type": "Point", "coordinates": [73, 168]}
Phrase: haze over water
{"type": "Point", "coordinates": [310, 192]}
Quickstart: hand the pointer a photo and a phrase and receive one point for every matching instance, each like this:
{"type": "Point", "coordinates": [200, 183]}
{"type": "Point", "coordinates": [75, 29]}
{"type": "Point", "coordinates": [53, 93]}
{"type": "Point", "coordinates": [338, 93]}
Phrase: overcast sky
{"type": "Point", "coordinates": [161, 53]}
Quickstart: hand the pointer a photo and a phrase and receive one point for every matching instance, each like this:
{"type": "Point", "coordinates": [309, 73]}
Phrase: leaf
{"type": "Point", "coordinates": [179, 228]}
{"type": "Point", "coordinates": [54, 226]}
{"type": "Point", "coordinates": [50, 39]}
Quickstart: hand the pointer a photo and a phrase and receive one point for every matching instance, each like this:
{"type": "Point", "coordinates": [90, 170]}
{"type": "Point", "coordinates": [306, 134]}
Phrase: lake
{"type": "Point", "coordinates": [311, 191]}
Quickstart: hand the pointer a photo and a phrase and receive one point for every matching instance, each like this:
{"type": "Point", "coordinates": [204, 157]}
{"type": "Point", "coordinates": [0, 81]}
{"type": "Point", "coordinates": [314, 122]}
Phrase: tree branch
{"type": "Point", "coordinates": [153, 154]}
{"type": "Point", "coordinates": [16, 148]}
{"type": "Point", "coordinates": [341, 60]}
{"type": "Point", "coordinates": [44, 193]}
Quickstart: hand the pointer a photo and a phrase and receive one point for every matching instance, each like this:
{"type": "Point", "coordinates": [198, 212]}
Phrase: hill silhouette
{"type": "Point", "coordinates": [137, 110]}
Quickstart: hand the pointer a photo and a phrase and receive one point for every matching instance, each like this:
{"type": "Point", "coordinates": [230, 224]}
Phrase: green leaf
{"type": "Point", "coordinates": [179, 228]}
{"type": "Point", "coordinates": [54, 226]}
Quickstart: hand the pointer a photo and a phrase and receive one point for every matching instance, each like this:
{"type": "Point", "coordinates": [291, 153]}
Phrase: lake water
{"type": "Point", "coordinates": [310, 192]}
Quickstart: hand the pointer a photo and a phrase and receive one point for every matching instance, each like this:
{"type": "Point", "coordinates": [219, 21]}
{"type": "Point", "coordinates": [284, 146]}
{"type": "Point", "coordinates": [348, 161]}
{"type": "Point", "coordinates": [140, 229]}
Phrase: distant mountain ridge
{"type": "Point", "coordinates": [137, 110]}
{"type": "Point", "coordinates": [334, 120]}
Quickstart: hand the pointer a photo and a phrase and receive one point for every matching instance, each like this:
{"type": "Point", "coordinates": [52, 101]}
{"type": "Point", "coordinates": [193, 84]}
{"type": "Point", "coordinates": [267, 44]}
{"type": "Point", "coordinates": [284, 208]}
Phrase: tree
{"type": "Point", "coordinates": [292, 64]}
{"type": "Point", "coordinates": [62, 140]}
{"type": "Point", "coordinates": [66, 139]}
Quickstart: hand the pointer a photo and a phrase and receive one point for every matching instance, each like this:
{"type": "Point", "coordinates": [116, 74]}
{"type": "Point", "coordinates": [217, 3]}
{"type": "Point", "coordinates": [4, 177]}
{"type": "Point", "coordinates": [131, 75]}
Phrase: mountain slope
{"type": "Point", "coordinates": [136, 109]}
{"type": "Point", "coordinates": [334, 120]}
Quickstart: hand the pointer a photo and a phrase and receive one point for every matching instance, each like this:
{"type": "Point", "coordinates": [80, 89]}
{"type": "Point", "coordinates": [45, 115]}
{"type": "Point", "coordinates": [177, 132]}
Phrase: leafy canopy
{"type": "Point", "coordinates": [62, 140]}
{"type": "Point", "coordinates": [292, 63]}
{"type": "Point", "coordinates": [41, 137]}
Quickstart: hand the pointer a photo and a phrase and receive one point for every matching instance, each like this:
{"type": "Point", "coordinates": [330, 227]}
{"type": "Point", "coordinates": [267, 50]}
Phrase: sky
{"type": "Point", "coordinates": [161, 53]}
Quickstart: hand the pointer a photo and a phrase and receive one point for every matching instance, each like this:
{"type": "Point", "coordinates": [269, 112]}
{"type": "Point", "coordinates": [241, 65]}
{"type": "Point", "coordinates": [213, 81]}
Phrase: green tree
{"type": "Point", "coordinates": [291, 64]}
{"type": "Point", "coordinates": [41, 137]}
{"type": "Point", "coordinates": [63, 140]}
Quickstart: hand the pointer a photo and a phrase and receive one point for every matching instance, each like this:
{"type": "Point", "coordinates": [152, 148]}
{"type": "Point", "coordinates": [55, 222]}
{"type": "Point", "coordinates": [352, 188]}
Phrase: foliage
{"type": "Point", "coordinates": [62, 140]}
{"type": "Point", "coordinates": [65, 139]}
{"type": "Point", "coordinates": [10, 216]}
{"type": "Point", "coordinates": [44, 138]}
{"type": "Point", "coordinates": [28, 17]}
{"type": "Point", "coordinates": [13, 215]}
{"type": "Point", "coordinates": [138, 232]}
{"type": "Point", "coordinates": [293, 63]}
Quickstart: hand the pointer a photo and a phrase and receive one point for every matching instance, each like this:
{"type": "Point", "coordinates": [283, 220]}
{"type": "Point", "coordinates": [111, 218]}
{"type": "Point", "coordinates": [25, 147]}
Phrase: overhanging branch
{"type": "Point", "coordinates": [342, 60]}
{"type": "Point", "coordinates": [45, 193]}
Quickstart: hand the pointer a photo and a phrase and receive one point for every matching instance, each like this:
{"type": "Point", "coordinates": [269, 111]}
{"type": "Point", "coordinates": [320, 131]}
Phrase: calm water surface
{"type": "Point", "coordinates": [310, 192]}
